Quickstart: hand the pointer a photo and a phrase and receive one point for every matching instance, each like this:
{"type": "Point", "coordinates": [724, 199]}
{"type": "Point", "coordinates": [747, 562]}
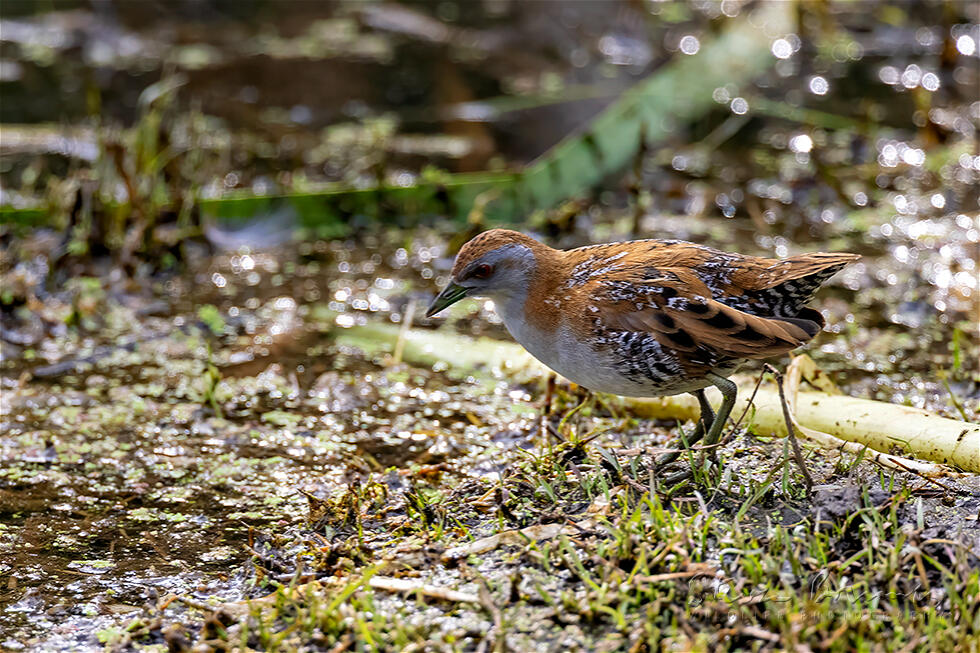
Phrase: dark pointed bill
{"type": "Point", "coordinates": [449, 296]}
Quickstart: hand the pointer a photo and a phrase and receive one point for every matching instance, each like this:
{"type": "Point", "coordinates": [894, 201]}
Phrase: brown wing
{"type": "Point", "coordinates": [760, 273]}
{"type": "Point", "coordinates": [677, 309]}
{"type": "Point", "coordinates": [728, 274]}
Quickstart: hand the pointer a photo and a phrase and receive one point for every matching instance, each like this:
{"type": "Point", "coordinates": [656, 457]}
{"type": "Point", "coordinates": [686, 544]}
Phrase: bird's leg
{"type": "Point", "coordinates": [549, 394]}
{"type": "Point", "coordinates": [707, 417]}
{"type": "Point", "coordinates": [728, 392]}
{"type": "Point", "coordinates": [790, 431]}
{"type": "Point", "coordinates": [705, 420]}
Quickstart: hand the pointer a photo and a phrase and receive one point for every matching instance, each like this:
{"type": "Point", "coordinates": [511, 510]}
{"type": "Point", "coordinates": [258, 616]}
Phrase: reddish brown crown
{"type": "Point", "coordinates": [489, 241]}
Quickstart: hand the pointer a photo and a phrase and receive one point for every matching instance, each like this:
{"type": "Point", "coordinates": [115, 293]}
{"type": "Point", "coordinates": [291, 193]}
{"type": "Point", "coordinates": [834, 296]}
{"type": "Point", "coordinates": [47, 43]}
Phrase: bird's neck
{"type": "Point", "coordinates": [536, 306]}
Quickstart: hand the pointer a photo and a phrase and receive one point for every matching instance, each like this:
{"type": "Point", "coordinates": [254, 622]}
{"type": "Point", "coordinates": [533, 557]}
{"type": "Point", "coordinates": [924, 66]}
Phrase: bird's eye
{"type": "Point", "coordinates": [483, 271]}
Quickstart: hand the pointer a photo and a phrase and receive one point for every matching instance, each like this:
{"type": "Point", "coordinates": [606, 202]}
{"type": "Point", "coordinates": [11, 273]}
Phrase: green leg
{"type": "Point", "coordinates": [707, 417]}
{"type": "Point", "coordinates": [728, 392]}
{"type": "Point", "coordinates": [705, 421]}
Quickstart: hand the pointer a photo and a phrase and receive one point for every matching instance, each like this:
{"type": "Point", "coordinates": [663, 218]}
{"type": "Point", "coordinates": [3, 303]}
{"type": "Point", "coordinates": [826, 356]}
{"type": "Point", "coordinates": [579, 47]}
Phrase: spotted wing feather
{"type": "Point", "coordinates": [760, 286]}
{"type": "Point", "coordinates": [677, 309]}
{"type": "Point", "coordinates": [767, 273]}
{"type": "Point", "coordinates": [771, 287]}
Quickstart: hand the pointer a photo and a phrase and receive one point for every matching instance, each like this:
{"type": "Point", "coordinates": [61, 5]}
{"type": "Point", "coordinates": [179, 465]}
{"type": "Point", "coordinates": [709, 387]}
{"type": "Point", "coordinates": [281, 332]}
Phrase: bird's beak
{"type": "Point", "coordinates": [451, 294]}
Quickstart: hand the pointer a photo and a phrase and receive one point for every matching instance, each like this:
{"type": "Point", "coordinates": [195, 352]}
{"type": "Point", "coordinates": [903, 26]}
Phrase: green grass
{"type": "Point", "coordinates": [712, 567]}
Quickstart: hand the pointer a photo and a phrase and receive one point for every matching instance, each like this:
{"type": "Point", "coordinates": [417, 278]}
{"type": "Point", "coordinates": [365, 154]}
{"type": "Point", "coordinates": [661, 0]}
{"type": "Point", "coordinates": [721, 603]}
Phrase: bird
{"type": "Point", "coordinates": [644, 318]}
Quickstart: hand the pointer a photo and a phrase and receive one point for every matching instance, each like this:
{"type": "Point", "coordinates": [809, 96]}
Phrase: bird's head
{"type": "Point", "coordinates": [495, 264]}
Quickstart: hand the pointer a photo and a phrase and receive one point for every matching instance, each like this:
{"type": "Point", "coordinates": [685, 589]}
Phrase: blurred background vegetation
{"type": "Point", "coordinates": [157, 104]}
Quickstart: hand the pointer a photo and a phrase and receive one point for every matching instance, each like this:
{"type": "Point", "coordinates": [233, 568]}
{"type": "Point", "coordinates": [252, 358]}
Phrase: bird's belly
{"type": "Point", "coordinates": [600, 368]}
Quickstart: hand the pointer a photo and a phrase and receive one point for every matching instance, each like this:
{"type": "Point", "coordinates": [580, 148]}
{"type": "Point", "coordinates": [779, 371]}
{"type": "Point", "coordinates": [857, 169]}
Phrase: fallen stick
{"type": "Point", "coordinates": [536, 533]}
{"type": "Point", "coordinates": [831, 420]}
{"type": "Point", "coordinates": [407, 586]}
{"type": "Point", "coordinates": [330, 585]}
{"type": "Point", "coordinates": [517, 536]}
{"type": "Point", "coordinates": [847, 424]}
